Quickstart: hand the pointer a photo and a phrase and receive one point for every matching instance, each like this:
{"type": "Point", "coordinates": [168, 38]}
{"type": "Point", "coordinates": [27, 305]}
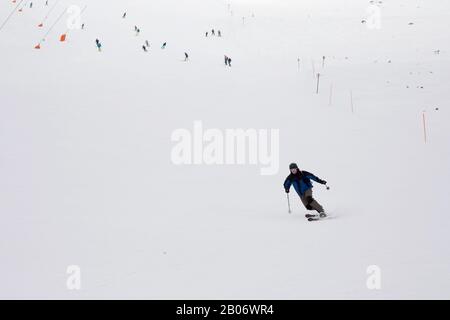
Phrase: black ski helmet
{"type": "Point", "coordinates": [293, 166]}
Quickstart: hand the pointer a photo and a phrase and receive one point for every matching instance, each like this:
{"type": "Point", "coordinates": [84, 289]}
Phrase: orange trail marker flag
{"type": "Point", "coordinates": [63, 37]}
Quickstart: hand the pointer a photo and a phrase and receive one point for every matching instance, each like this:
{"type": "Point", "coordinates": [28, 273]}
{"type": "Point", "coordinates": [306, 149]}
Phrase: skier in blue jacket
{"type": "Point", "coordinates": [98, 44]}
{"type": "Point", "coordinates": [301, 181]}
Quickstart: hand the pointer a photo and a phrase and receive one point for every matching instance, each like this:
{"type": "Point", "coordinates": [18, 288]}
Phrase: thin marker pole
{"type": "Point", "coordinates": [351, 100]}
{"type": "Point", "coordinates": [424, 127]}
{"type": "Point", "coordinates": [289, 203]}
{"type": "Point", "coordinates": [331, 94]}
{"type": "Point", "coordinates": [318, 81]}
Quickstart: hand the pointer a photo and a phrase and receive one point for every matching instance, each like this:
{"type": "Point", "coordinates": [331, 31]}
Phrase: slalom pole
{"type": "Point", "coordinates": [289, 203]}
{"type": "Point", "coordinates": [424, 127]}
{"type": "Point", "coordinates": [318, 80]}
{"type": "Point", "coordinates": [10, 15]}
{"type": "Point", "coordinates": [331, 94]}
{"type": "Point", "coordinates": [351, 100]}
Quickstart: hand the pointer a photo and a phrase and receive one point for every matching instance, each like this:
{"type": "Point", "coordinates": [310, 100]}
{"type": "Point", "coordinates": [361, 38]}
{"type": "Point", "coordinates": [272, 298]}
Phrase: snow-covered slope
{"type": "Point", "coordinates": [86, 176]}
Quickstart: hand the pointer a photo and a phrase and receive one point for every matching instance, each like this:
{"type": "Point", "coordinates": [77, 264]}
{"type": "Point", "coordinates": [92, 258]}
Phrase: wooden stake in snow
{"type": "Point", "coordinates": [351, 100]}
{"type": "Point", "coordinates": [424, 127]}
{"type": "Point", "coordinates": [331, 94]}
{"type": "Point", "coordinates": [318, 81]}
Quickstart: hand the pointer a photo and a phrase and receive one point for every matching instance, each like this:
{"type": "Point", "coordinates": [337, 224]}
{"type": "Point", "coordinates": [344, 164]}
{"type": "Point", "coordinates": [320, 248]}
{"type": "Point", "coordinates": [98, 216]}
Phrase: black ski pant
{"type": "Point", "coordinates": [309, 202]}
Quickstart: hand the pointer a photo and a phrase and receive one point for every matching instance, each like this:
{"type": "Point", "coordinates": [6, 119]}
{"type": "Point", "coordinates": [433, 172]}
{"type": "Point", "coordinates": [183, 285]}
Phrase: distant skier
{"type": "Point", "coordinates": [144, 48]}
{"type": "Point", "coordinates": [301, 180]}
{"type": "Point", "coordinates": [164, 45]}
{"type": "Point", "coordinates": [219, 33]}
{"type": "Point", "coordinates": [147, 44]}
{"type": "Point", "coordinates": [229, 62]}
{"type": "Point", "coordinates": [213, 33]}
{"type": "Point", "coordinates": [99, 44]}
{"type": "Point", "coordinates": [124, 15]}
{"type": "Point", "coordinates": [82, 26]}
{"type": "Point", "coordinates": [186, 56]}
{"type": "Point", "coordinates": [226, 60]}
{"type": "Point", "coordinates": [206, 34]}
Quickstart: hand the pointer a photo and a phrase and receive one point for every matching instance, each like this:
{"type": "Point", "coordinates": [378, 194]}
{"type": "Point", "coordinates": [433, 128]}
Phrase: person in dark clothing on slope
{"type": "Point", "coordinates": [301, 181]}
{"type": "Point", "coordinates": [99, 44]}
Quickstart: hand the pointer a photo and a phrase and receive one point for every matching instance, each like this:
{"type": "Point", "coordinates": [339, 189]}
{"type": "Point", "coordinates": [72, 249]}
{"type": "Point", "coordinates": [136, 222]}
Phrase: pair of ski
{"type": "Point", "coordinates": [315, 217]}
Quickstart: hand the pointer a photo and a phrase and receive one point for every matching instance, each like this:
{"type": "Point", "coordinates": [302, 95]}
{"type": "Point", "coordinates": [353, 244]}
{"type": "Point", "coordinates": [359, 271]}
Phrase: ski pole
{"type": "Point", "coordinates": [289, 203]}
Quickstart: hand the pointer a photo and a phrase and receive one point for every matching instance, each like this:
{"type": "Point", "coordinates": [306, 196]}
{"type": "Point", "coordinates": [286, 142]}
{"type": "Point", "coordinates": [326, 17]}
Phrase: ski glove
{"type": "Point", "coordinates": [287, 191]}
{"type": "Point", "coordinates": [322, 182]}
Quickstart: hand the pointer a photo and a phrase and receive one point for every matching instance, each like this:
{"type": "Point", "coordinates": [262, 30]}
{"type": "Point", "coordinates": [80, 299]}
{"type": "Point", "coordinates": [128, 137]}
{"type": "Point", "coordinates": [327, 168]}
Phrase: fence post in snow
{"type": "Point", "coordinates": [351, 100]}
{"type": "Point", "coordinates": [331, 94]}
{"type": "Point", "coordinates": [318, 81]}
{"type": "Point", "coordinates": [424, 127]}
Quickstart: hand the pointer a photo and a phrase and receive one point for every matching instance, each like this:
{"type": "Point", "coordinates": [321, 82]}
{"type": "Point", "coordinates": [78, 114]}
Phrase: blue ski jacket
{"type": "Point", "coordinates": [301, 181]}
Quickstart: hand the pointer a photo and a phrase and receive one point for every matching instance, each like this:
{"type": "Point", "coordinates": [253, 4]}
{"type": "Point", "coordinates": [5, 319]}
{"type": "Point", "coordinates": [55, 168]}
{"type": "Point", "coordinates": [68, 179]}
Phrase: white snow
{"type": "Point", "coordinates": [86, 176]}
